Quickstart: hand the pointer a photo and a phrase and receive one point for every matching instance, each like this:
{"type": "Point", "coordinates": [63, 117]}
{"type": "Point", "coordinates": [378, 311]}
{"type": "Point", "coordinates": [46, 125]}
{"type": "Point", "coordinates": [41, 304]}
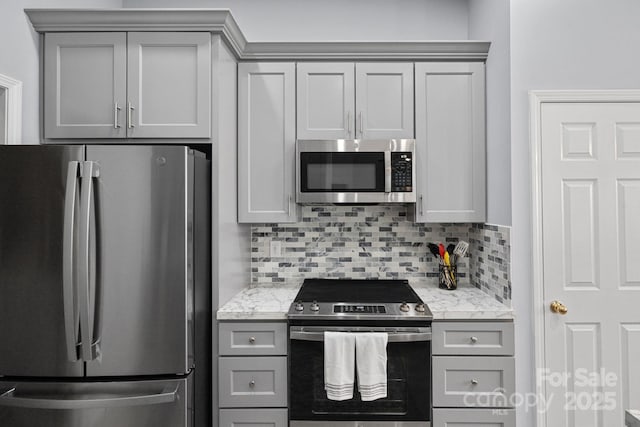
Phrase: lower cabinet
{"type": "Point", "coordinates": [474, 418]}
{"type": "Point", "coordinates": [252, 374]}
{"type": "Point", "coordinates": [473, 375]}
{"type": "Point", "coordinates": [253, 417]}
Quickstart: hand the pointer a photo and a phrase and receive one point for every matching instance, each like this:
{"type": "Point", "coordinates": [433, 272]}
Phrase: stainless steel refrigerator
{"type": "Point", "coordinates": [104, 286]}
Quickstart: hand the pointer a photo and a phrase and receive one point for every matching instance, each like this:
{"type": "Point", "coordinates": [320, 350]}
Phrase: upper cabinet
{"type": "Point", "coordinates": [266, 142]}
{"type": "Point", "coordinates": [450, 142]}
{"type": "Point", "coordinates": [354, 101]}
{"type": "Point", "coordinates": [127, 85]}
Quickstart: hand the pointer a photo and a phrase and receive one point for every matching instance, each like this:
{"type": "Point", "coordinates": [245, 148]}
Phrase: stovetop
{"type": "Point", "coordinates": [352, 299]}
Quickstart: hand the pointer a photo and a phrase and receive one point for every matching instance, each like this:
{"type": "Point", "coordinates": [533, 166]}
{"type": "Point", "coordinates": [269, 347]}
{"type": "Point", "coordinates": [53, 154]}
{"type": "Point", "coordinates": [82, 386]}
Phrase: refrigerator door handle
{"type": "Point", "coordinates": [89, 171]}
{"type": "Point", "coordinates": [168, 395]}
{"type": "Point", "coordinates": [68, 286]}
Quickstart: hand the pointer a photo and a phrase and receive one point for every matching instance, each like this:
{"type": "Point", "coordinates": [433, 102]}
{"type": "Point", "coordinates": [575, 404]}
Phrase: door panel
{"type": "Point", "coordinates": [384, 100]}
{"type": "Point", "coordinates": [326, 100]}
{"type": "Point", "coordinates": [100, 404]}
{"type": "Point", "coordinates": [266, 142]}
{"type": "Point", "coordinates": [144, 278]}
{"type": "Point", "coordinates": [32, 191]}
{"type": "Point", "coordinates": [591, 206]}
{"type": "Point", "coordinates": [84, 85]}
{"type": "Point", "coordinates": [169, 85]}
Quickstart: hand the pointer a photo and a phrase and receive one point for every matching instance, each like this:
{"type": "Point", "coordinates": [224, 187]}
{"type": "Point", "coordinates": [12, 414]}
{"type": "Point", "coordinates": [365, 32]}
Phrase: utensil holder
{"type": "Point", "coordinates": [448, 277]}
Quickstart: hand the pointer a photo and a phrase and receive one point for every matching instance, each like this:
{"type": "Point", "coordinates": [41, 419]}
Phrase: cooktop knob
{"type": "Point", "coordinates": [404, 307]}
{"type": "Point", "coordinates": [314, 306]}
{"type": "Point", "coordinates": [420, 308]}
{"type": "Point", "coordinates": [299, 306]}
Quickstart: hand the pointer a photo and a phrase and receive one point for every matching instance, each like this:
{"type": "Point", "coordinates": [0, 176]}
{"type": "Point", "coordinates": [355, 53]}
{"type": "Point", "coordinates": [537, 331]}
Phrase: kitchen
{"type": "Point", "coordinates": [517, 62]}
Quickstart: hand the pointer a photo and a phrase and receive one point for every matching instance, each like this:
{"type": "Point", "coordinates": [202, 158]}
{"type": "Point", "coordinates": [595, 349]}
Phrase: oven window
{"type": "Point", "coordinates": [408, 386]}
{"type": "Point", "coordinates": [342, 172]}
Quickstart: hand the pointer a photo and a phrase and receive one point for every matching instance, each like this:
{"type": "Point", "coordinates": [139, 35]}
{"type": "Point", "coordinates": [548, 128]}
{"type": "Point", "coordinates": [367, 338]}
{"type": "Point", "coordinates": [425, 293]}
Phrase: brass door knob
{"type": "Point", "coordinates": [558, 307]}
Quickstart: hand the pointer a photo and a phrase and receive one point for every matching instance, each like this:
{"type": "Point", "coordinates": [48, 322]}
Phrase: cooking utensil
{"type": "Point", "coordinates": [433, 248]}
{"type": "Point", "coordinates": [449, 270]}
{"type": "Point", "coordinates": [441, 250]}
{"type": "Point", "coordinates": [461, 249]}
{"type": "Point", "coordinates": [450, 248]}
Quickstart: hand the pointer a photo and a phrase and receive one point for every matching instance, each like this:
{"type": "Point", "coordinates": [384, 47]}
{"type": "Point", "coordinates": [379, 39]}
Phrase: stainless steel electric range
{"type": "Point", "coordinates": [344, 305]}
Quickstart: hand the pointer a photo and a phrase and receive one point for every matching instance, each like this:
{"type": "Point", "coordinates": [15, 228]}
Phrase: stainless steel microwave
{"type": "Point", "coordinates": [355, 171]}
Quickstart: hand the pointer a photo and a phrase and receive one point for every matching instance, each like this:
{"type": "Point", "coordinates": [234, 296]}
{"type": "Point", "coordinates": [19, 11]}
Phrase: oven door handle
{"type": "Point", "coordinates": [393, 336]}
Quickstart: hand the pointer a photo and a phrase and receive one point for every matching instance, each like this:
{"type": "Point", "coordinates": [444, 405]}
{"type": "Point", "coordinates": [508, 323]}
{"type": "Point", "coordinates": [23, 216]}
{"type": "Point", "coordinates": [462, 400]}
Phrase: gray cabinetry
{"type": "Point", "coordinates": [266, 142]}
{"type": "Point", "coordinates": [450, 142]}
{"type": "Point", "coordinates": [473, 374]}
{"type": "Point", "coordinates": [252, 374]}
{"type": "Point", "coordinates": [364, 100]}
{"type": "Point", "coordinates": [127, 85]}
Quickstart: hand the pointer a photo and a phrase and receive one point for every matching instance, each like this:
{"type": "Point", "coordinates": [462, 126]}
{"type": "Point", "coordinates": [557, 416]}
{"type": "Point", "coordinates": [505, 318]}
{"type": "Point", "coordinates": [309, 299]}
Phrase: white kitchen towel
{"type": "Point", "coordinates": [339, 365]}
{"type": "Point", "coordinates": [371, 362]}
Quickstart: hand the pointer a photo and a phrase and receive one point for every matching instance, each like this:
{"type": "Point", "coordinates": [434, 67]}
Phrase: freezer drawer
{"type": "Point", "coordinates": [97, 404]}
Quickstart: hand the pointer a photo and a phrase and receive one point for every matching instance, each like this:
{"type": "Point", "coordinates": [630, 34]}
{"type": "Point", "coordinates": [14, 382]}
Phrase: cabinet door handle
{"type": "Point", "coordinates": [130, 109]}
{"type": "Point", "coordinates": [474, 382]}
{"type": "Point", "coordinates": [349, 123]}
{"type": "Point", "coordinates": [289, 207]}
{"type": "Point", "coordinates": [421, 208]}
{"type": "Point", "coordinates": [252, 383]}
{"type": "Point", "coordinates": [474, 340]}
{"type": "Point", "coordinates": [252, 340]}
{"type": "Point", "coordinates": [360, 124]}
{"type": "Point", "coordinates": [116, 109]}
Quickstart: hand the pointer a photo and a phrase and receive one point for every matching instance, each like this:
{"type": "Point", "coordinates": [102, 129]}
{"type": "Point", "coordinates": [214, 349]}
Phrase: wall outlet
{"type": "Point", "coordinates": [275, 249]}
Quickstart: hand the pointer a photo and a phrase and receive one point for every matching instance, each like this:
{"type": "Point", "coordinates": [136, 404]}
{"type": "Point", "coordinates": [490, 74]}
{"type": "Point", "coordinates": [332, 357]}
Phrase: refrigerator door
{"type": "Point", "coordinates": [39, 188]}
{"type": "Point", "coordinates": [140, 294]}
{"type": "Point", "coordinates": [97, 404]}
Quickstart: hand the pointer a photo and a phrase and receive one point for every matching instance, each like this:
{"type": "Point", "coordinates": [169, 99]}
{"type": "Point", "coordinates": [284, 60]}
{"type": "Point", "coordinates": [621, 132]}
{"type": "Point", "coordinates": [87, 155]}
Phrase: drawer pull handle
{"type": "Point", "coordinates": [252, 383]}
{"type": "Point", "coordinates": [252, 340]}
{"type": "Point", "coordinates": [474, 382]}
{"type": "Point", "coordinates": [474, 340]}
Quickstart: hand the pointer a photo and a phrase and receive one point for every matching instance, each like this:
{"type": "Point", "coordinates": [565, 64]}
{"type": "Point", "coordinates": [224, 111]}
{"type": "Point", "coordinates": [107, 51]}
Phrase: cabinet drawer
{"type": "Point", "coordinates": [252, 381]}
{"type": "Point", "coordinates": [253, 417]}
{"type": "Point", "coordinates": [269, 339]}
{"type": "Point", "coordinates": [473, 338]}
{"type": "Point", "coordinates": [474, 418]}
{"type": "Point", "coordinates": [473, 381]}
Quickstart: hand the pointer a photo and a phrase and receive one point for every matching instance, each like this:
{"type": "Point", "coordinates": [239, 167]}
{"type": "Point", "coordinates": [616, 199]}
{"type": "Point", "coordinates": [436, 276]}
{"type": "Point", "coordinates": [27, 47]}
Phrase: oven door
{"type": "Point", "coordinates": [408, 383]}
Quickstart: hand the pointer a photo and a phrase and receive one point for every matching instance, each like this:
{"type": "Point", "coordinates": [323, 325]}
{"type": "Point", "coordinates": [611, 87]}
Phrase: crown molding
{"type": "Point", "coordinates": [221, 21]}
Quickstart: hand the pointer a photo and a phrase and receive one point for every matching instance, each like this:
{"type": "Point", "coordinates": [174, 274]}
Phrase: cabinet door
{"type": "Point", "coordinates": [84, 85]}
{"type": "Point", "coordinates": [450, 142]}
{"type": "Point", "coordinates": [169, 82]}
{"type": "Point", "coordinates": [326, 100]}
{"type": "Point", "coordinates": [384, 100]}
{"type": "Point", "coordinates": [266, 142]}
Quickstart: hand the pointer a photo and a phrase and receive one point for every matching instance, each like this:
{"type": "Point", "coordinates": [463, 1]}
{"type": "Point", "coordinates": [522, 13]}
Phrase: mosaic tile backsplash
{"type": "Point", "coordinates": [377, 241]}
{"type": "Point", "coordinates": [490, 262]}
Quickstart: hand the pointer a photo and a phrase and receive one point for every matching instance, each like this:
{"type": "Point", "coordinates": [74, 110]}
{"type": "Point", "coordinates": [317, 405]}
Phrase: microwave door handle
{"type": "Point", "coordinates": [393, 336]}
{"type": "Point", "coordinates": [387, 171]}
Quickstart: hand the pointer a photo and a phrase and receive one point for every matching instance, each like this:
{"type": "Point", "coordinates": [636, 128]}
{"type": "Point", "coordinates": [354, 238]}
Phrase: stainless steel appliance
{"type": "Point", "coordinates": [104, 286]}
{"type": "Point", "coordinates": [391, 306]}
{"type": "Point", "coordinates": [355, 171]}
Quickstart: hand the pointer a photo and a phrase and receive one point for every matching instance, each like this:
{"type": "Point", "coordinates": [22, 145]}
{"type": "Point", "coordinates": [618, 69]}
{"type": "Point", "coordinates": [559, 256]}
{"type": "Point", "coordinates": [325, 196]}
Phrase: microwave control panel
{"type": "Point", "coordinates": [401, 171]}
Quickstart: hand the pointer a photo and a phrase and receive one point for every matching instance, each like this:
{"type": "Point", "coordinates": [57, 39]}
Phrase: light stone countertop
{"type": "Point", "coordinates": [632, 418]}
{"type": "Point", "coordinates": [271, 302]}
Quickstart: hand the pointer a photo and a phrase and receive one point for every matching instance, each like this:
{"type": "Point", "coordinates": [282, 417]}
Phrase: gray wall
{"type": "Point", "coordinates": [19, 45]}
{"type": "Point", "coordinates": [569, 44]}
{"type": "Point", "coordinates": [489, 20]}
{"type": "Point", "coordinates": [308, 20]}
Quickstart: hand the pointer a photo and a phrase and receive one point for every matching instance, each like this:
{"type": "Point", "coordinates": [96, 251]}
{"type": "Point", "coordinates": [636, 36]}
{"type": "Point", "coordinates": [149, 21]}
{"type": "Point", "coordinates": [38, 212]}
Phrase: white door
{"type": "Point", "coordinates": [85, 85]}
{"type": "Point", "coordinates": [384, 100]}
{"type": "Point", "coordinates": [590, 195]}
{"type": "Point", "coordinates": [169, 82]}
{"type": "Point", "coordinates": [326, 100]}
